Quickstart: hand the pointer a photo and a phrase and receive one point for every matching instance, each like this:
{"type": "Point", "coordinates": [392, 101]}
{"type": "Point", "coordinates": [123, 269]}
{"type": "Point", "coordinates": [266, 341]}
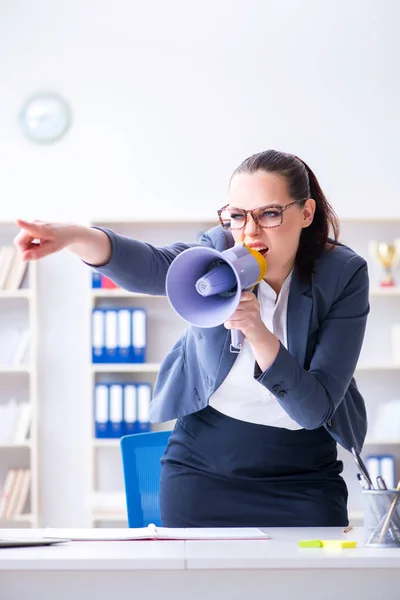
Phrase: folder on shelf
{"type": "Point", "coordinates": [387, 470]}
{"type": "Point", "coordinates": [98, 337]}
{"type": "Point", "coordinates": [130, 408]}
{"type": "Point", "coordinates": [96, 280]}
{"type": "Point", "coordinates": [382, 465]}
{"type": "Point", "coordinates": [373, 466]}
{"type": "Point", "coordinates": [101, 410]}
{"type": "Point", "coordinates": [124, 341]}
{"type": "Point", "coordinates": [111, 338]}
{"type": "Point", "coordinates": [116, 410]}
{"type": "Point", "coordinates": [139, 335]}
{"type": "Point", "coordinates": [143, 406]}
{"type": "Point", "coordinates": [108, 284]}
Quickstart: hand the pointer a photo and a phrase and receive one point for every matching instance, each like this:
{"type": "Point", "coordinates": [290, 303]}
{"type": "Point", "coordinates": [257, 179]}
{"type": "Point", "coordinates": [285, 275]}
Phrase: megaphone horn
{"type": "Point", "coordinates": [204, 286]}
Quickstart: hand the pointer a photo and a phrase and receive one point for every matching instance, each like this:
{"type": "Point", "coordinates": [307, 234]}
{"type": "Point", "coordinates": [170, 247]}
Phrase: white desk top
{"type": "Point", "coordinates": [282, 552]}
{"type": "Point", "coordinates": [279, 552]}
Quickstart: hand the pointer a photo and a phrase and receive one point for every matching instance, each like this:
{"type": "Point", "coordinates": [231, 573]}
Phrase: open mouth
{"type": "Point", "coordinates": [262, 251]}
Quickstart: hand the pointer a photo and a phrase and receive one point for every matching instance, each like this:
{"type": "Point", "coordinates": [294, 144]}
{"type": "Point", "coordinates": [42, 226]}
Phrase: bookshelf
{"type": "Point", "coordinates": [377, 375]}
{"type": "Point", "coordinates": [164, 327]}
{"type": "Point", "coordinates": [18, 392]}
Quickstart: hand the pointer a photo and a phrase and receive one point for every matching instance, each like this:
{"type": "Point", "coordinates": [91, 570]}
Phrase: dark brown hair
{"type": "Point", "coordinates": [323, 233]}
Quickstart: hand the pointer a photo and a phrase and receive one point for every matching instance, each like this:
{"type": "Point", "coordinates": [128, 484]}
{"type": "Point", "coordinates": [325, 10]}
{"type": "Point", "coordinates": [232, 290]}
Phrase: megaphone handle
{"type": "Point", "coordinates": [237, 339]}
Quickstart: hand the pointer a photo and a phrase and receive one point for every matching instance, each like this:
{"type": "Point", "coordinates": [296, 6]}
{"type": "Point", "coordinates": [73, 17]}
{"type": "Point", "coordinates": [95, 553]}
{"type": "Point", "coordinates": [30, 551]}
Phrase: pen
{"type": "Point", "coordinates": [363, 482]}
{"type": "Point", "coordinates": [381, 483]}
{"type": "Point", "coordinates": [389, 515]}
{"type": "Point", "coordinates": [362, 468]}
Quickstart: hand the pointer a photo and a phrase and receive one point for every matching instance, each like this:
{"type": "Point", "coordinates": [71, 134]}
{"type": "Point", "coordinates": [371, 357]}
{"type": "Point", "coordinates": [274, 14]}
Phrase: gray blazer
{"type": "Point", "coordinates": [312, 380]}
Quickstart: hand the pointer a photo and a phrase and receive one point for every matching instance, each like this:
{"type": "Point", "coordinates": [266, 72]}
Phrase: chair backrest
{"type": "Point", "coordinates": [141, 455]}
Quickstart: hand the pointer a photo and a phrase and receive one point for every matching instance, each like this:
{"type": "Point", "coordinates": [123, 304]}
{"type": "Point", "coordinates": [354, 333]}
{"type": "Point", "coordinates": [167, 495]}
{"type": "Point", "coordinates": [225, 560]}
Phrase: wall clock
{"type": "Point", "coordinates": [45, 118]}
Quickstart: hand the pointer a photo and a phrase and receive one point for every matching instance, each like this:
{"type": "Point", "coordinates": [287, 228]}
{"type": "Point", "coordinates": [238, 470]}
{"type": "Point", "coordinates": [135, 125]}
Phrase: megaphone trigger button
{"type": "Point", "coordinates": [276, 389]}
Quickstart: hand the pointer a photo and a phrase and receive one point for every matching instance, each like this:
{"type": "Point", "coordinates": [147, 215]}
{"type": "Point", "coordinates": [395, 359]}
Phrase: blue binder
{"type": "Point", "coordinates": [139, 335]}
{"type": "Point", "coordinates": [116, 410]}
{"type": "Point", "coordinates": [101, 410]}
{"type": "Point", "coordinates": [130, 408]}
{"type": "Point", "coordinates": [96, 279]}
{"type": "Point", "coordinates": [124, 335]}
{"type": "Point", "coordinates": [110, 335]}
{"type": "Point", "coordinates": [143, 406]}
{"type": "Point", "coordinates": [98, 336]}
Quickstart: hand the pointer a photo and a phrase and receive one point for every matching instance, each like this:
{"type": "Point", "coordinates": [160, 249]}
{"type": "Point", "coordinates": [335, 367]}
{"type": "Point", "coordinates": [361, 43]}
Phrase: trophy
{"type": "Point", "coordinates": [388, 255]}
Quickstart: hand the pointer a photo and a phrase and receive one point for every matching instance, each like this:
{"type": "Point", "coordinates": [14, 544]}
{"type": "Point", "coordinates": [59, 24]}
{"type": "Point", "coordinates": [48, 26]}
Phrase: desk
{"type": "Point", "coordinates": [206, 570]}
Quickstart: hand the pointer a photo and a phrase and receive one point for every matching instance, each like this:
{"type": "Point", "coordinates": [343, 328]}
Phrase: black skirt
{"type": "Point", "coordinates": [222, 472]}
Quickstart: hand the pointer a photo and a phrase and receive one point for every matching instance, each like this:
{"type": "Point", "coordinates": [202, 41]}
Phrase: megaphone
{"type": "Point", "coordinates": [204, 286]}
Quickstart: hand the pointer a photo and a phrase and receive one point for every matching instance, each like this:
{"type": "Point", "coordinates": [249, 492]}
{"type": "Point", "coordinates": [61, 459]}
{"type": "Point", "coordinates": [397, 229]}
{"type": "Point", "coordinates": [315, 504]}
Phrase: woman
{"type": "Point", "coordinates": [255, 443]}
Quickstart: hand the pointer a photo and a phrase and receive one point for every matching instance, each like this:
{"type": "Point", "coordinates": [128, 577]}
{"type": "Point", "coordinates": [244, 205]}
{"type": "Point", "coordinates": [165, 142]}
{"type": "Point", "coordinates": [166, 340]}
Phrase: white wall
{"type": "Point", "coordinates": [167, 98]}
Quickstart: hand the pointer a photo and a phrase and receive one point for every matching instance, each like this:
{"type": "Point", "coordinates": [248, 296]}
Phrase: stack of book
{"type": "Point", "coordinates": [14, 493]}
{"type": "Point", "coordinates": [15, 349]}
{"type": "Point", "coordinates": [12, 268]}
{"type": "Point", "coordinates": [15, 420]}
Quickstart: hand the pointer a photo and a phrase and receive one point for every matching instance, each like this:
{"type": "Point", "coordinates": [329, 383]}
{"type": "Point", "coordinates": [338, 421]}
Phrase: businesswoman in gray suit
{"type": "Point", "coordinates": [255, 441]}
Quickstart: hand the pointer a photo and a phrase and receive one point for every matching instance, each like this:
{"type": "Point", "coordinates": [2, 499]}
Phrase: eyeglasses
{"type": "Point", "coordinates": [265, 216]}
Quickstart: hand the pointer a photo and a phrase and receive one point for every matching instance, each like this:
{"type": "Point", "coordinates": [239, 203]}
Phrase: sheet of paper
{"type": "Point", "coordinates": [212, 533]}
{"type": "Point", "coordinates": [164, 533]}
{"type": "Point", "coordinates": [99, 534]}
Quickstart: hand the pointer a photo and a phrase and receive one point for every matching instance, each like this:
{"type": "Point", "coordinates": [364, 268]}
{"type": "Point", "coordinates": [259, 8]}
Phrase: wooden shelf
{"type": "Point", "coordinates": [8, 369]}
{"type": "Point", "coordinates": [356, 515]}
{"type": "Point", "coordinates": [119, 293]}
{"type": "Point", "coordinates": [385, 291]}
{"type": "Point", "coordinates": [126, 368]}
{"type": "Point", "coordinates": [25, 518]}
{"type": "Point", "coordinates": [106, 442]}
{"type": "Point", "coordinates": [11, 446]}
{"type": "Point", "coordinates": [114, 515]}
{"type": "Point", "coordinates": [378, 367]}
{"type": "Point", "coordinates": [378, 442]}
{"type": "Point", "coordinates": [15, 294]}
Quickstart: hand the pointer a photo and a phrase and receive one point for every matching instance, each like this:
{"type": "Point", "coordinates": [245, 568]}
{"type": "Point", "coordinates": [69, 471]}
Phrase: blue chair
{"type": "Point", "coordinates": [141, 454]}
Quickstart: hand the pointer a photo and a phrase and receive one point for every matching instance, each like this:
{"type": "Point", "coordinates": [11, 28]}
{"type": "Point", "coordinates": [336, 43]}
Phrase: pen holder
{"type": "Point", "coordinates": [381, 518]}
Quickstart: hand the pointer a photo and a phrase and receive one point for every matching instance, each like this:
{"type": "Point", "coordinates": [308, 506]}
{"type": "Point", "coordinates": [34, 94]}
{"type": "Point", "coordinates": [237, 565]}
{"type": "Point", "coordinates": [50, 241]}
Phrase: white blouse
{"type": "Point", "coordinates": [240, 396]}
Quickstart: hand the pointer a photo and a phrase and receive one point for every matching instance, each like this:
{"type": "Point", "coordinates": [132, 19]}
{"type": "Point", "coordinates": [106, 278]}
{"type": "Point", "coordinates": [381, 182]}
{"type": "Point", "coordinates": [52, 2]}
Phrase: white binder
{"type": "Point", "coordinates": [111, 335]}
{"type": "Point", "coordinates": [116, 409]}
{"type": "Point", "coordinates": [98, 335]}
{"type": "Point", "coordinates": [130, 408]}
{"type": "Point", "coordinates": [124, 334]}
{"type": "Point", "coordinates": [144, 396]}
{"type": "Point", "coordinates": [101, 409]}
{"type": "Point", "coordinates": [138, 335]}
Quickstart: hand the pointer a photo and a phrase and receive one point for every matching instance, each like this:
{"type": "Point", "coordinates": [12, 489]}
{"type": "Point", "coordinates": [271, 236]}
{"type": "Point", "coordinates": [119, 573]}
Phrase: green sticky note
{"type": "Point", "coordinates": [338, 544]}
{"type": "Point", "coordinates": [310, 544]}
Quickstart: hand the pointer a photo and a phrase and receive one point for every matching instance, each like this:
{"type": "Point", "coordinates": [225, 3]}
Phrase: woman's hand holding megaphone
{"type": "Point", "coordinates": [247, 319]}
